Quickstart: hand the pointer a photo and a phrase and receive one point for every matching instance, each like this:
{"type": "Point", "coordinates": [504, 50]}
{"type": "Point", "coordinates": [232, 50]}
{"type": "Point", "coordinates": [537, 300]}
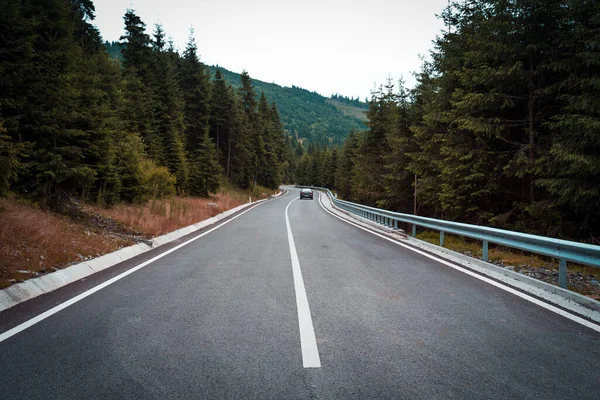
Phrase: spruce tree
{"type": "Point", "coordinates": [206, 170]}
{"type": "Point", "coordinates": [572, 166]}
{"type": "Point", "coordinates": [251, 128]}
{"type": "Point", "coordinates": [346, 167]}
{"type": "Point", "coordinates": [195, 86]}
{"type": "Point", "coordinates": [169, 110]}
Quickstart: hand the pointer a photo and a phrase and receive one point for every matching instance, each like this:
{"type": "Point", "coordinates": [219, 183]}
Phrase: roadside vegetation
{"type": "Point", "coordinates": [500, 130]}
{"type": "Point", "coordinates": [36, 241]}
{"type": "Point", "coordinates": [581, 279]}
{"type": "Point", "coordinates": [97, 153]}
{"type": "Point", "coordinates": [160, 216]}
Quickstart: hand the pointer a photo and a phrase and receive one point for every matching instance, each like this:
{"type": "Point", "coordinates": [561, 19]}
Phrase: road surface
{"type": "Point", "coordinates": [226, 316]}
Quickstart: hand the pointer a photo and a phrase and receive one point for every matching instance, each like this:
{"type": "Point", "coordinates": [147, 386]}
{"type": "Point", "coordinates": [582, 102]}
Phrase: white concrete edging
{"type": "Point", "coordinates": [23, 291]}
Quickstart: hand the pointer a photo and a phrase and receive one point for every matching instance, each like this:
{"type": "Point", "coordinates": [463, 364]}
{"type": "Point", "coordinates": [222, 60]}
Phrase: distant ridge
{"type": "Point", "coordinates": [305, 114]}
{"type": "Point", "coordinates": [309, 115]}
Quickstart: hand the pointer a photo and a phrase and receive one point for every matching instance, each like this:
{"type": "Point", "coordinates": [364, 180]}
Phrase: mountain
{"type": "Point", "coordinates": [308, 114]}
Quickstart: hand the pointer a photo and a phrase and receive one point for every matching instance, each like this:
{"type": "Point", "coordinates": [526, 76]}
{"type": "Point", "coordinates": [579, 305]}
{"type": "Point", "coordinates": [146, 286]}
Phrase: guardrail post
{"type": "Point", "coordinates": [442, 238]}
{"type": "Point", "coordinates": [562, 273]}
{"type": "Point", "coordinates": [395, 224]}
{"type": "Point", "coordinates": [485, 251]}
{"type": "Point", "coordinates": [414, 230]}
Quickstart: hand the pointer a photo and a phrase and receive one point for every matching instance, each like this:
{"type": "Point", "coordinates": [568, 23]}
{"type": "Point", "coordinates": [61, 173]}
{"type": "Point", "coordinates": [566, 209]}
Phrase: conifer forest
{"type": "Point", "coordinates": [501, 129]}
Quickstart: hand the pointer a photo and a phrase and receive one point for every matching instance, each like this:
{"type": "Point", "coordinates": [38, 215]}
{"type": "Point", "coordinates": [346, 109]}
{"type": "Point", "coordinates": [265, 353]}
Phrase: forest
{"type": "Point", "coordinates": [304, 114]}
{"type": "Point", "coordinates": [502, 128]}
{"type": "Point", "coordinates": [76, 123]}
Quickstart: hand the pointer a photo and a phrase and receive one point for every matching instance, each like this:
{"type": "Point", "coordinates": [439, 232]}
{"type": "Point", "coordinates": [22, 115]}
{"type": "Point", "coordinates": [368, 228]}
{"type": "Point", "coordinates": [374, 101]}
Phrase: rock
{"type": "Point", "coordinates": [42, 258]}
{"type": "Point", "coordinates": [595, 282]}
{"type": "Point", "coordinates": [213, 205]}
{"type": "Point", "coordinates": [24, 271]}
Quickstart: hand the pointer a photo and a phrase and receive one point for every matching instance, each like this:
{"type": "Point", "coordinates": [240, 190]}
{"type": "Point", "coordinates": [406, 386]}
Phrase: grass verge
{"type": "Point", "coordinates": [580, 278]}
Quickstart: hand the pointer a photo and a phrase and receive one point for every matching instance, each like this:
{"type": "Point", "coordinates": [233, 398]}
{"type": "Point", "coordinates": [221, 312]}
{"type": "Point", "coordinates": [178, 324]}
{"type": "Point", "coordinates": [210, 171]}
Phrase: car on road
{"type": "Point", "coordinates": [306, 194]}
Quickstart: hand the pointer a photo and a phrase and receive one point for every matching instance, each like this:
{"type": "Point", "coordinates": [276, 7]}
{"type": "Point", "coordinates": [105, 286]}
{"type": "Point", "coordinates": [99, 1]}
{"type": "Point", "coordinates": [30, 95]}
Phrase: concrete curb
{"type": "Point", "coordinates": [566, 299]}
{"type": "Point", "coordinates": [31, 288]}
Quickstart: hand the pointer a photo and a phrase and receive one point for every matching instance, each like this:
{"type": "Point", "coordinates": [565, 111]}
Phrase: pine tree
{"type": "Point", "coordinates": [572, 167]}
{"type": "Point", "coordinates": [428, 129]}
{"type": "Point", "coordinates": [220, 104]}
{"type": "Point", "coordinates": [251, 129]}
{"type": "Point", "coordinates": [195, 86]}
{"type": "Point", "coordinates": [331, 168]}
{"type": "Point", "coordinates": [346, 167]}
{"type": "Point", "coordinates": [169, 110]}
{"type": "Point", "coordinates": [227, 120]}
{"type": "Point", "coordinates": [136, 46]}
{"type": "Point", "coordinates": [56, 165]}
{"type": "Point", "coordinates": [139, 96]}
{"type": "Point", "coordinates": [398, 180]}
{"type": "Point", "coordinates": [270, 168]}
{"type": "Point", "coordinates": [369, 187]}
{"type": "Point", "coordinates": [206, 170]}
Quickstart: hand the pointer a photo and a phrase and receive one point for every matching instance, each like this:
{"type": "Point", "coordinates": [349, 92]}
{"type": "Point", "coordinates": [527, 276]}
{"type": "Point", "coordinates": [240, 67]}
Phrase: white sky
{"type": "Point", "coordinates": [327, 46]}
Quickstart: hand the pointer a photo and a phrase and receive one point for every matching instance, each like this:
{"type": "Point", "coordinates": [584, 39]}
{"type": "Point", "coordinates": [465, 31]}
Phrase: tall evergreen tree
{"type": "Point", "coordinates": [247, 95]}
{"type": "Point", "coordinates": [195, 86]}
{"type": "Point", "coordinates": [169, 109]}
{"type": "Point", "coordinates": [139, 95]}
{"type": "Point", "coordinates": [572, 166]}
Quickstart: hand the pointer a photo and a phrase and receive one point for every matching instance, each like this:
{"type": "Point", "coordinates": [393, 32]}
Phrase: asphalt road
{"type": "Point", "coordinates": [219, 318]}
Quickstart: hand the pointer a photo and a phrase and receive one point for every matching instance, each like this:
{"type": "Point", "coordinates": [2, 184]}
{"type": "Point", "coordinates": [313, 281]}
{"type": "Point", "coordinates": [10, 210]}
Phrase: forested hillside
{"type": "Point", "coordinates": [502, 129]}
{"type": "Point", "coordinates": [307, 115]}
{"type": "Point", "coordinates": [76, 123]}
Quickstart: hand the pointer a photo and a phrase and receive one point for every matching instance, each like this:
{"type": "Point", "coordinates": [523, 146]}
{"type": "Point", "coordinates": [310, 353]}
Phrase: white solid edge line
{"type": "Point", "coordinates": [522, 295]}
{"type": "Point", "coordinates": [19, 328]}
{"type": "Point", "coordinates": [308, 341]}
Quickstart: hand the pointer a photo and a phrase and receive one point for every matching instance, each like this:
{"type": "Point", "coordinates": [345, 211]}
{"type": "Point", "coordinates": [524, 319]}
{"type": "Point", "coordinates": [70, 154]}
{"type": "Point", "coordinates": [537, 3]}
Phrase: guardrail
{"type": "Point", "coordinates": [563, 250]}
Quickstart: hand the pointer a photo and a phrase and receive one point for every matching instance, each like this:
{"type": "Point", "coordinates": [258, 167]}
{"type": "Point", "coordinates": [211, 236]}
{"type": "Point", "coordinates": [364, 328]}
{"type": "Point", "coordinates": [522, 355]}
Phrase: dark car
{"type": "Point", "coordinates": [306, 194]}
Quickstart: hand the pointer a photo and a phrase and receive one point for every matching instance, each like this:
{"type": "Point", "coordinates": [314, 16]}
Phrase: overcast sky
{"type": "Point", "coordinates": [328, 46]}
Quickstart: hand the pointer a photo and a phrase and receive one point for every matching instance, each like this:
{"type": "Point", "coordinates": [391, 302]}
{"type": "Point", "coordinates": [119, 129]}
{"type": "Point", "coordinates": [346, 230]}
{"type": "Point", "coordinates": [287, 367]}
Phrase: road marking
{"type": "Point", "coordinates": [524, 296]}
{"type": "Point", "coordinates": [308, 341]}
{"type": "Point", "coordinates": [19, 328]}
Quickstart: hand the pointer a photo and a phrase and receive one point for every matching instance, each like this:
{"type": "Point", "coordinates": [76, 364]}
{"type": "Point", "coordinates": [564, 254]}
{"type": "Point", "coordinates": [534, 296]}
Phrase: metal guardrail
{"type": "Point", "coordinates": [563, 250]}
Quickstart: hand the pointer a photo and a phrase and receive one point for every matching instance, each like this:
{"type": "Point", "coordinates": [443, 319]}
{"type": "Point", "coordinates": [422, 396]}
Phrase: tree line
{"type": "Point", "coordinates": [502, 128]}
{"type": "Point", "coordinates": [75, 122]}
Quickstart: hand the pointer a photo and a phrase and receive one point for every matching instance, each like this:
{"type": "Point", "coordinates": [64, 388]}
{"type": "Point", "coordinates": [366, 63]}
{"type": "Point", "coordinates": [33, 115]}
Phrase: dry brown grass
{"type": "Point", "coordinates": [33, 241]}
{"type": "Point", "coordinates": [38, 241]}
{"type": "Point", "coordinates": [158, 217]}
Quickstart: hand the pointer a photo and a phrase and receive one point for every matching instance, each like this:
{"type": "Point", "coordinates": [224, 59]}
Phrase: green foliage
{"type": "Point", "coordinates": [77, 122]}
{"type": "Point", "coordinates": [501, 128]}
{"type": "Point", "coordinates": [304, 114]}
{"type": "Point", "coordinates": [157, 182]}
